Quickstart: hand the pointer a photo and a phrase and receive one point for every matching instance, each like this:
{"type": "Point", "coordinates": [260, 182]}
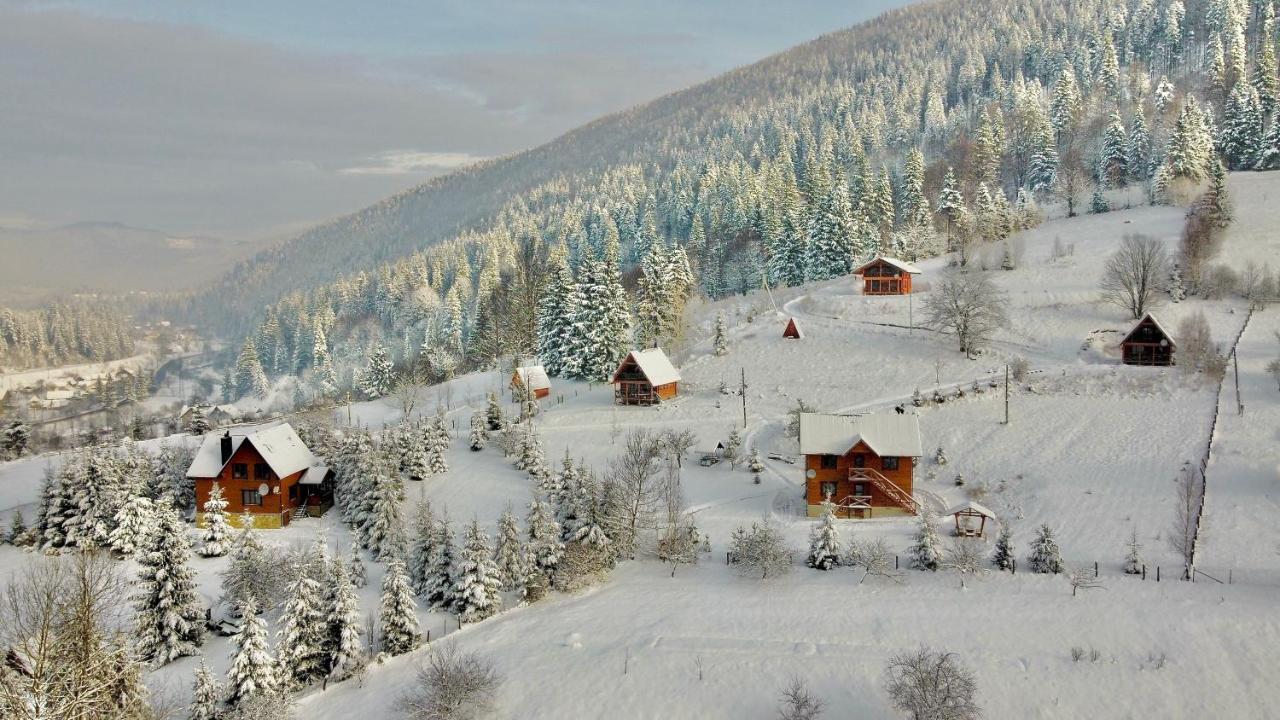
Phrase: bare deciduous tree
{"type": "Point", "coordinates": [798, 703]}
{"type": "Point", "coordinates": [762, 549]}
{"type": "Point", "coordinates": [638, 489]}
{"type": "Point", "coordinates": [1196, 349]}
{"type": "Point", "coordinates": [1082, 579]}
{"type": "Point", "coordinates": [1186, 512]}
{"type": "Point", "coordinates": [452, 685]}
{"type": "Point", "coordinates": [1135, 275]}
{"type": "Point", "coordinates": [874, 557]}
{"type": "Point", "coordinates": [965, 557]}
{"type": "Point", "coordinates": [932, 685]}
{"type": "Point", "coordinates": [968, 304]}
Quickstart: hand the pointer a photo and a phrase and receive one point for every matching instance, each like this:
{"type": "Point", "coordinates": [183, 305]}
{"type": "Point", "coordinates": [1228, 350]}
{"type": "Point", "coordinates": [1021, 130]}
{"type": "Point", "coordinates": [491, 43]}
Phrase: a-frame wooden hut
{"type": "Point", "coordinates": [792, 331]}
{"type": "Point", "coordinates": [1148, 344]}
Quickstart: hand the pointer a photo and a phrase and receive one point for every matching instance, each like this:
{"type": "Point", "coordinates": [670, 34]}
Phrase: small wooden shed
{"type": "Point", "coordinates": [887, 276]}
{"type": "Point", "coordinates": [645, 377]}
{"type": "Point", "coordinates": [1148, 344]}
{"type": "Point", "coordinates": [793, 330]}
{"type": "Point", "coordinates": [534, 379]}
{"type": "Point", "coordinates": [971, 519]}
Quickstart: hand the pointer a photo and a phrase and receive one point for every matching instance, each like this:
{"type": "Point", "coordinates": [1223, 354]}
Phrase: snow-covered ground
{"type": "Point", "coordinates": [1093, 448]}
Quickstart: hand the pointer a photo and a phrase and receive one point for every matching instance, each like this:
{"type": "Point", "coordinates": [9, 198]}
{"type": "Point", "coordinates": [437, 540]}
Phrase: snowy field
{"type": "Point", "coordinates": [1093, 448]}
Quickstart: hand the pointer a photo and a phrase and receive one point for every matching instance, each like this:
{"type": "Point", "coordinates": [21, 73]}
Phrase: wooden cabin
{"type": "Point", "coordinates": [864, 465]}
{"type": "Point", "coordinates": [645, 377]}
{"type": "Point", "coordinates": [268, 472]}
{"type": "Point", "coordinates": [792, 330]}
{"type": "Point", "coordinates": [887, 276]}
{"type": "Point", "coordinates": [533, 378]}
{"type": "Point", "coordinates": [1148, 344]}
{"type": "Point", "coordinates": [971, 519]}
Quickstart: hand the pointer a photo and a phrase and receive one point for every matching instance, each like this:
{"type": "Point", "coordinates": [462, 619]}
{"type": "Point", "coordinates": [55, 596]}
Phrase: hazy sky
{"type": "Point", "coordinates": [251, 119]}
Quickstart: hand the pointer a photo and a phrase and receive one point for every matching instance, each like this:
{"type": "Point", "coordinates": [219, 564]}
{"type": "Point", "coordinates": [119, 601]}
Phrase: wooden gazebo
{"type": "Point", "coordinates": [971, 519]}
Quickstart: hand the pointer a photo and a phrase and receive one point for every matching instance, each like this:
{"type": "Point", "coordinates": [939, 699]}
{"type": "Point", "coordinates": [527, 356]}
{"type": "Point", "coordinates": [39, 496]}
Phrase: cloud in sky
{"type": "Point", "coordinates": [247, 120]}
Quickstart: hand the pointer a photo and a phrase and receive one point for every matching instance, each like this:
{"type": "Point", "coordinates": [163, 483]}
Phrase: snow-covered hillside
{"type": "Point", "coordinates": [1092, 448]}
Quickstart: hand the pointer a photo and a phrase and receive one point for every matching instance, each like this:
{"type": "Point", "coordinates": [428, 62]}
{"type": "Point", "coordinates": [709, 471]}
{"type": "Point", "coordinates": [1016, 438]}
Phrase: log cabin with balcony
{"type": "Point", "coordinates": [887, 276]}
{"type": "Point", "coordinates": [1148, 344]}
{"type": "Point", "coordinates": [268, 473]}
{"type": "Point", "coordinates": [645, 377]}
{"type": "Point", "coordinates": [865, 465]}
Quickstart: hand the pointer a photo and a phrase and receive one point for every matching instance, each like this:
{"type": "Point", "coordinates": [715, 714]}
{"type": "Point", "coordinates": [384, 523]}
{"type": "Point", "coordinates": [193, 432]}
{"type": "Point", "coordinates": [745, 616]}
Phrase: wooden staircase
{"type": "Point", "coordinates": [886, 486]}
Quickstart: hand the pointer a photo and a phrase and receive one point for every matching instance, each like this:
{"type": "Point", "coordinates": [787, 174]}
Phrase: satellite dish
{"type": "Point", "coordinates": [263, 489]}
{"type": "Point", "coordinates": [811, 474]}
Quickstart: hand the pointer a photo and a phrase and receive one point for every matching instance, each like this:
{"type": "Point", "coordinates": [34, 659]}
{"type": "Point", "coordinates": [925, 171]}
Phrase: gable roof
{"type": "Point", "coordinates": [533, 377]}
{"type": "Point", "coordinates": [792, 325]}
{"type": "Point", "coordinates": [1168, 336]}
{"type": "Point", "coordinates": [887, 435]}
{"type": "Point", "coordinates": [971, 506]}
{"type": "Point", "coordinates": [902, 265]}
{"type": "Point", "coordinates": [655, 365]}
{"type": "Point", "coordinates": [279, 446]}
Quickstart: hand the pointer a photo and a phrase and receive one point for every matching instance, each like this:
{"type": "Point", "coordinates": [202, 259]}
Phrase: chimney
{"type": "Point", "coordinates": [226, 447]}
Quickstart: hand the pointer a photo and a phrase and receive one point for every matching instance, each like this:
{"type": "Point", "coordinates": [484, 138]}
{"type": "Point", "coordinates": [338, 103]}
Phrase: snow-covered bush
{"type": "Point", "coordinates": [762, 549]}
{"type": "Point", "coordinates": [932, 685]}
{"type": "Point", "coordinates": [452, 685]}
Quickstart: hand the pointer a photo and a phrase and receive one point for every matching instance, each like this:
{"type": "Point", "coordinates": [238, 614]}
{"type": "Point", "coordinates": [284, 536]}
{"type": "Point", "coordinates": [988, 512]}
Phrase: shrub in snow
{"type": "Point", "coordinates": [1045, 556]}
{"type": "Point", "coordinates": [452, 685]}
{"type": "Point", "coordinates": [1003, 557]}
{"type": "Point", "coordinates": [824, 540]}
{"type": "Point", "coordinates": [798, 703]}
{"type": "Point", "coordinates": [959, 480]}
{"type": "Point", "coordinates": [169, 621]}
{"type": "Point", "coordinates": [721, 340]}
{"type": "Point", "coordinates": [252, 672]}
{"type": "Point", "coordinates": [761, 549]}
{"type": "Point", "coordinates": [216, 527]}
{"type": "Point", "coordinates": [932, 685]}
{"type": "Point", "coordinates": [926, 551]}
{"type": "Point", "coordinates": [398, 622]}
{"type": "Point", "coordinates": [939, 457]}
{"type": "Point", "coordinates": [680, 544]}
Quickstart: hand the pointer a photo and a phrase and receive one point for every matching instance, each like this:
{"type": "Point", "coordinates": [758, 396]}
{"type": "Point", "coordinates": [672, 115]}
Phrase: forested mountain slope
{"type": "Point", "coordinates": [931, 129]}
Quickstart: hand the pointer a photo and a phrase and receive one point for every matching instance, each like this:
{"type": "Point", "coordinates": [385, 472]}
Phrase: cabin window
{"type": "Point", "coordinates": [250, 497]}
{"type": "Point", "coordinates": [828, 490]}
{"type": "Point", "coordinates": [261, 471]}
{"type": "Point", "coordinates": [240, 471]}
{"type": "Point", "coordinates": [889, 463]}
{"type": "Point", "coordinates": [293, 492]}
{"type": "Point", "coordinates": [859, 488]}
{"type": "Point", "coordinates": [828, 462]}
{"type": "Point", "coordinates": [859, 460]}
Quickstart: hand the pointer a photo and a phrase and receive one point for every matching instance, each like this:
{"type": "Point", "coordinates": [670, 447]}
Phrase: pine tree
{"type": "Point", "coordinates": [478, 435]}
{"type": "Point", "coordinates": [439, 582]}
{"type": "Point", "coordinates": [1176, 287]}
{"type": "Point", "coordinates": [824, 541]}
{"type": "Point", "coordinates": [378, 378]}
{"type": "Point", "coordinates": [250, 378]}
{"type": "Point", "coordinates": [1242, 131]}
{"type": "Point", "coordinates": [926, 551]}
{"type": "Point", "coordinates": [1133, 557]}
{"type": "Point", "coordinates": [438, 441]}
{"type": "Point", "coordinates": [199, 422]}
{"type": "Point", "coordinates": [493, 414]}
{"type": "Point", "coordinates": [508, 555]}
{"type": "Point", "coordinates": [1139, 151]}
{"type": "Point", "coordinates": [358, 575]}
{"type": "Point", "coordinates": [1114, 160]}
{"type": "Point", "coordinates": [1216, 202]}
{"type": "Point", "coordinates": [754, 464]}
{"type": "Point", "coordinates": [830, 231]}
{"type": "Point", "coordinates": [913, 205]}
{"type": "Point", "coordinates": [422, 546]}
{"type": "Point", "coordinates": [216, 528]}
{"type": "Point", "coordinates": [18, 532]}
{"type": "Point", "coordinates": [543, 548]}
{"type": "Point", "coordinates": [301, 638]}
{"type": "Point", "coordinates": [733, 447]}
{"type": "Point", "coordinates": [1003, 557]}
{"type": "Point", "coordinates": [132, 524]}
{"type": "Point", "coordinates": [398, 626]}
{"type": "Point", "coordinates": [169, 620]}
{"type": "Point", "coordinates": [383, 535]}
{"type": "Point", "coordinates": [1045, 556]}
{"type": "Point", "coordinates": [1190, 144]}
{"type": "Point", "coordinates": [939, 457]}
{"type": "Point", "coordinates": [252, 672]}
{"type": "Point", "coordinates": [343, 652]}
{"type": "Point", "coordinates": [1263, 78]}
{"type": "Point", "coordinates": [478, 582]}
{"type": "Point", "coordinates": [951, 202]}
{"type": "Point", "coordinates": [1065, 105]}
{"type": "Point", "coordinates": [557, 311]}
{"type": "Point", "coordinates": [206, 695]}
{"type": "Point", "coordinates": [1042, 170]}
{"type": "Point", "coordinates": [720, 342]}
{"type": "Point", "coordinates": [1098, 202]}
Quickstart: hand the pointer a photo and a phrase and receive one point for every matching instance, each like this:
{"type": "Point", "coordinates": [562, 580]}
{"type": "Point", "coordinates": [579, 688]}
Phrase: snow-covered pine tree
{"type": "Point", "coordinates": [398, 620]}
{"type": "Point", "coordinates": [478, 435]}
{"type": "Point", "coordinates": [543, 549]}
{"type": "Point", "coordinates": [343, 651]}
{"type": "Point", "coordinates": [477, 584]}
{"type": "Point", "coordinates": [358, 575]}
{"type": "Point", "coordinates": [531, 459]}
{"type": "Point", "coordinates": [1098, 202]}
{"type": "Point", "coordinates": [508, 556]}
{"type": "Point", "coordinates": [951, 203]}
{"type": "Point", "coordinates": [1139, 151]}
{"type": "Point", "coordinates": [733, 447]}
{"type": "Point", "coordinates": [206, 695]}
{"type": "Point", "coordinates": [1114, 156]}
{"type": "Point", "coordinates": [384, 534]}
{"type": "Point", "coordinates": [253, 672]}
{"type": "Point", "coordinates": [926, 551]}
{"type": "Point", "coordinates": [216, 528]}
{"type": "Point", "coordinates": [557, 311]}
{"type": "Point", "coordinates": [1045, 556]}
{"type": "Point", "coordinates": [493, 414]}
{"type": "Point", "coordinates": [1176, 287]}
{"type": "Point", "coordinates": [439, 581]}
{"type": "Point", "coordinates": [830, 232]}
{"type": "Point", "coordinates": [1133, 555]}
{"type": "Point", "coordinates": [18, 531]}
{"type": "Point", "coordinates": [1003, 557]}
{"type": "Point", "coordinates": [1190, 144]}
{"type": "Point", "coordinates": [378, 378]}
{"type": "Point", "coordinates": [824, 540]}
{"type": "Point", "coordinates": [1242, 128]}
{"type": "Point", "coordinates": [250, 378]}
{"type": "Point", "coordinates": [421, 547]}
{"type": "Point", "coordinates": [301, 638]}
{"type": "Point", "coordinates": [133, 522]}
{"type": "Point", "coordinates": [169, 619]}
{"type": "Point", "coordinates": [1007, 262]}
{"type": "Point", "coordinates": [1216, 201]}
{"type": "Point", "coordinates": [199, 422]}
{"type": "Point", "coordinates": [754, 464]}
{"type": "Point", "coordinates": [720, 341]}
{"type": "Point", "coordinates": [438, 441]}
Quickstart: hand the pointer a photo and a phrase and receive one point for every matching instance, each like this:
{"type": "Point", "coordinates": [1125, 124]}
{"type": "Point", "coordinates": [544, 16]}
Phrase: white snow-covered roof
{"type": "Point", "coordinates": [314, 475]}
{"type": "Point", "coordinates": [887, 435]}
{"type": "Point", "coordinates": [279, 446]}
{"type": "Point", "coordinates": [534, 377]}
{"type": "Point", "coordinates": [972, 507]}
{"type": "Point", "coordinates": [59, 395]}
{"type": "Point", "coordinates": [902, 265]}
{"type": "Point", "coordinates": [1155, 322]}
{"type": "Point", "coordinates": [655, 366]}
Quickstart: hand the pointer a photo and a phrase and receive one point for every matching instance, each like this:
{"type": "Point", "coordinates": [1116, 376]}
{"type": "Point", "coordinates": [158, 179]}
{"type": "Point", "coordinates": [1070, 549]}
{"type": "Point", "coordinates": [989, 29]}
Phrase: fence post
{"type": "Point", "coordinates": [1229, 573]}
{"type": "Point", "coordinates": [1144, 571]}
{"type": "Point", "coordinates": [1095, 568]}
{"type": "Point", "coordinates": [1013, 565]}
{"type": "Point", "coordinates": [1157, 573]}
{"type": "Point", "coordinates": [895, 562]}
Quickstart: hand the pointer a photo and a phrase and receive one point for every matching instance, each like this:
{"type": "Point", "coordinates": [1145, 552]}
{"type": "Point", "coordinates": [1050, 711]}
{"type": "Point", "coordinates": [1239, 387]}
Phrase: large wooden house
{"type": "Point", "coordinates": [645, 377]}
{"type": "Point", "coordinates": [864, 465]}
{"type": "Point", "coordinates": [531, 378]}
{"type": "Point", "coordinates": [887, 276]}
{"type": "Point", "coordinates": [1148, 344]}
{"type": "Point", "coordinates": [269, 473]}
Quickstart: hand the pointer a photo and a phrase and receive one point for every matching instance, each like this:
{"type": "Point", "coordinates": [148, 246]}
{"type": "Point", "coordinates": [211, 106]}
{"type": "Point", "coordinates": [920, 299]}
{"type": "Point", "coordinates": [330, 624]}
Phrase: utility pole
{"type": "Point", "coordinates": [744, 398]}
{"type": "Point", "coordinates": [1006, 394]}
{"type": "Point", "coordinates": [911, 322]}
{"type": "Point", "coordinates": [348, 408]}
